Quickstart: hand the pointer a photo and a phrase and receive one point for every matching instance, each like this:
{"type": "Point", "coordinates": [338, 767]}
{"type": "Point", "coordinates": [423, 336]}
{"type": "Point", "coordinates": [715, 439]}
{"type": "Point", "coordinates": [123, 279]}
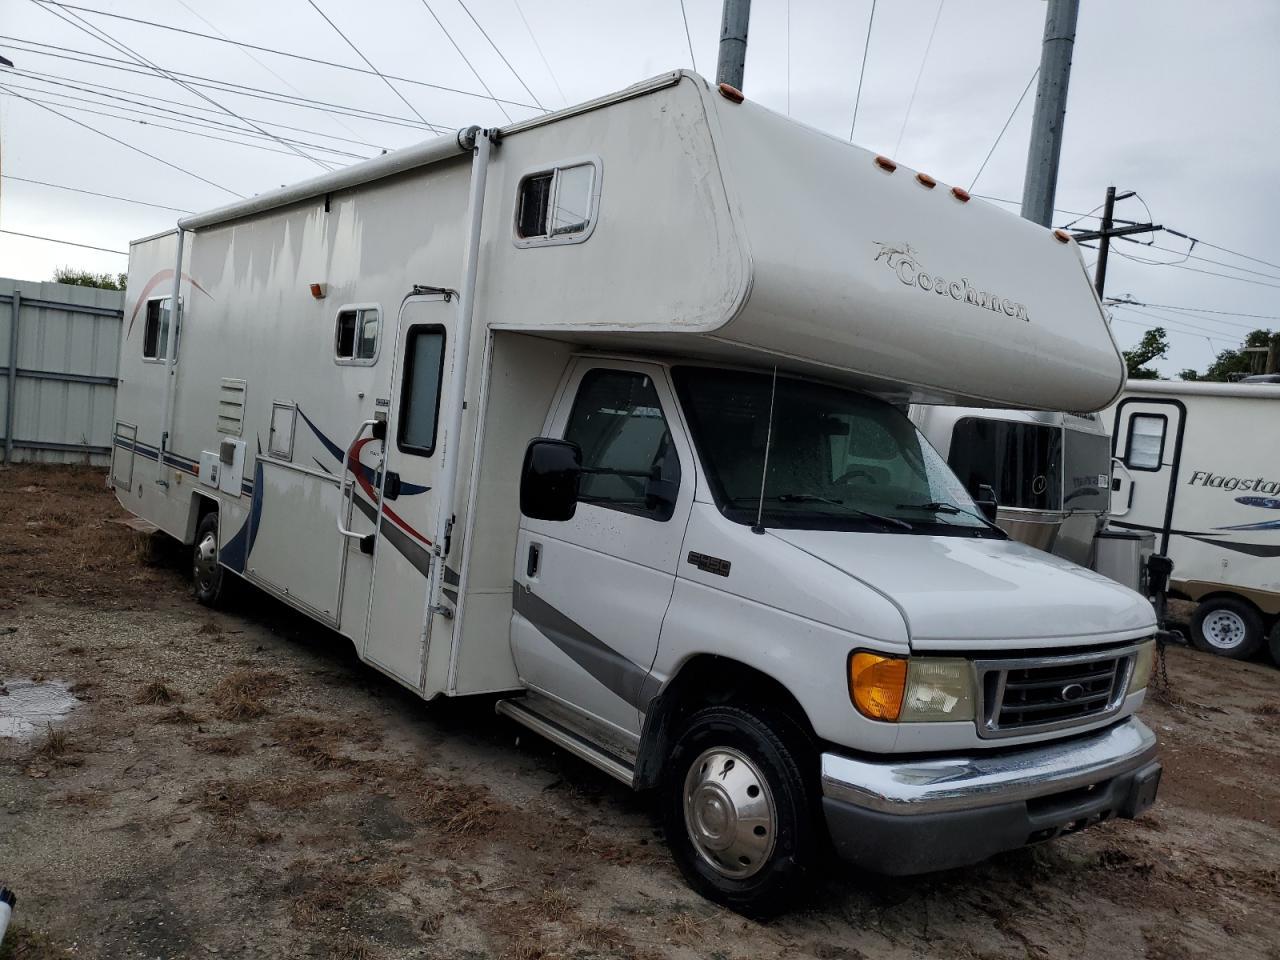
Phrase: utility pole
{"type": "Point", "coordinates": [733, 42]}
{"type": "Point", "coordinates": [1109, 230]}
{"type": "Point", "coordinates": [1041, 181]}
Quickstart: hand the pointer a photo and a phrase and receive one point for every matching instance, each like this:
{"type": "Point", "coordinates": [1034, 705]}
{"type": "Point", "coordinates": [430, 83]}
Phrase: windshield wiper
{"type": "Point", "coordinates": [814, 498]}
{"type": "Point", "coordinates": [941, 506]}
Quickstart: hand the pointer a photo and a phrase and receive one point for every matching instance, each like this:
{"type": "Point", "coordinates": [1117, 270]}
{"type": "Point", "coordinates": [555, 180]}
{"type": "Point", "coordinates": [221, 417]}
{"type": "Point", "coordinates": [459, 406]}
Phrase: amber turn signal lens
{"type": "Point", "coordinates": [876, 684]}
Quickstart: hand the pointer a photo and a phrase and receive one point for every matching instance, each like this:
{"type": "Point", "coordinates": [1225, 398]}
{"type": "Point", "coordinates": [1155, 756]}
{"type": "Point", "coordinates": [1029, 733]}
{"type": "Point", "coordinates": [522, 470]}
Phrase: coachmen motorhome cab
{"type": "Point", "coordinates": [599, 413]}
{"type": "Point", "coordinates": [1198, 465]}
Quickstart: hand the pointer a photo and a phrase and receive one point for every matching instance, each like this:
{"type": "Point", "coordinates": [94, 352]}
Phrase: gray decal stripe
{"type": "Point", "coordinates": [588, 651]}
{"type": "Point", "coordinates": [451, 576]}
{"type": "Point", "coordinates": [405, 545]}
{"type": "Point", "coordinates": [1252, 549]}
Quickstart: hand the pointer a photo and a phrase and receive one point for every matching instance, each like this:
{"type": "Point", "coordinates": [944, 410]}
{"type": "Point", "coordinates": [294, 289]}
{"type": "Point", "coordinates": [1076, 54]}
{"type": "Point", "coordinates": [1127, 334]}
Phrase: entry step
{"type": "Point", "coordinates": [542, 718]}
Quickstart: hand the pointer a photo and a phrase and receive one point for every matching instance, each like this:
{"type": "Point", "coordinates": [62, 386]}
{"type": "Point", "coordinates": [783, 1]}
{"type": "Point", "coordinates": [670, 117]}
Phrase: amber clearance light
{"type": "Point", "coordinates": [877, 684]}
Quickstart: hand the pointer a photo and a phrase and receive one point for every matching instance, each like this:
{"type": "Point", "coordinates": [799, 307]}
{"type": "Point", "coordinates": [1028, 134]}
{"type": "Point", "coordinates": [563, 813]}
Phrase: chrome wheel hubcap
{"type": "Point", "coordinates": [729, 812]}
{"type": "Point", "coordinates": [1224, 629]}
{"type": "Point", "coordinates": [205, 562]}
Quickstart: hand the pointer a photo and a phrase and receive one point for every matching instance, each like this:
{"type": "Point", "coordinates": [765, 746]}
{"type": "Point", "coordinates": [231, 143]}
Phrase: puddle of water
{"type": "Point", "coordinates": [29, 706]}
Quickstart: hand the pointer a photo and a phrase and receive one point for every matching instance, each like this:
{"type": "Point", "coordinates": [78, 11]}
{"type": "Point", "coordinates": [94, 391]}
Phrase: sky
{"type": "Point", "coordinates": [1175, 100]}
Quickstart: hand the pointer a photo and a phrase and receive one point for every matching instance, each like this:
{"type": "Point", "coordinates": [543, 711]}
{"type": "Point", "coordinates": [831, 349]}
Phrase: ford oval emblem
{"type": "Point", "coordinates": [1071, 692]}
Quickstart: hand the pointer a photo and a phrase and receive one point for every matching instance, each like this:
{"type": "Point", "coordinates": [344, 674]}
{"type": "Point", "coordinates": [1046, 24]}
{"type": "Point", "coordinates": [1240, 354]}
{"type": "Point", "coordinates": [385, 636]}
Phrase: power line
{"type": "Point", "coordinates": [1206, 243]}
{"type": "Point", "coordinates": [292, 56]}
{"type": "Point", "coordinates": [164, 126]}
{"type": "Point", "coordinates": [537, 46]}
{"type": "Point", "coordinates": [788, 53]}
{"type": "Point", "coordinates": [210, 83]}
{"type": "Point", "coordinates": [68, 243]}
{"type": "Point", "coordinates": [866, 47]}
{"type": "Point", "coordinates": [919, 73]}
{"type": "Point", "coordinates": [466, 60]}
{"type": "Point", "coordinates": [1184, 324]}
{"type": "Point", "coordinates": [369, 64]}
{"type": "Point", "coordinates": [130, 146]}
{"type": "Point", "coordinates": [98, 33]}
{"type": "Point", "coordinates": [1018, 203]}
{"type": "Point", "coordinates": [1183, 333]}
{"type": "Point", "coordinates": [1138, 303]}
{"type": "Point", "coordinates": [1226, 313]}
{"type": "Point", "coordinates": [86, 86]}
{"type": "Point", "coordinates": [92, 193]}
{"type": "Point", "coordinates": [195, 13]}
{"type": "Point", "coordinates": [1000, 136]}
{"type": "Point", "coordinates": [533, 96]}
{"type": "Point", "coordinates": [1208, 273]}
{"type": "Point", "coordinates": [1188, 255]}
{"type": "Point", "coordinates": [689, 40]}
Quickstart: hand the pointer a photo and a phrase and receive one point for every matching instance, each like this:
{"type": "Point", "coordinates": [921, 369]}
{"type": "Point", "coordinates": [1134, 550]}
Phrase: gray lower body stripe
{"type": "Point", "coordinates": [616, 672]}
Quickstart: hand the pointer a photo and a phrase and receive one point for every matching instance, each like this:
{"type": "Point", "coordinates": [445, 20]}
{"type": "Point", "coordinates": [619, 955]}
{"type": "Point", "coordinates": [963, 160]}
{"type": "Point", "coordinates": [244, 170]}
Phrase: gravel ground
{"type": "Point", "coordinates": [238, 784]}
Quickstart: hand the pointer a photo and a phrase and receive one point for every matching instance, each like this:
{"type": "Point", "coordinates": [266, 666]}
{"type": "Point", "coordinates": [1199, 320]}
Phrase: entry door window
{"type": "Point", "coordinates": [617, 420]}
{"type": "Point", "coordinates": [420, 395]}
{"type": "Point", "coordinates": [1146, 441]}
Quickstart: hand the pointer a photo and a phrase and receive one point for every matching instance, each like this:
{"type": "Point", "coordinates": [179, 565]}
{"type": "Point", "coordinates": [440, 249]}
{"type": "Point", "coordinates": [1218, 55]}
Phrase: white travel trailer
{"type": "Point", "coordinates": [597, 413]}
{"type": "Point", "coordinates": [1198, 464]}
{"type": "Point", "coordinates": [1050, 473]}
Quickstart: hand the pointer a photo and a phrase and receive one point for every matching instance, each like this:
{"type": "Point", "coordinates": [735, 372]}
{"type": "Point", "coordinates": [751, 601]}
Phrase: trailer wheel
{"type": "Point", "coordinates": [1274, 642]}
{"type": "Point", "coordinates": [208, 579]}
{"type": "Point", "coordinates": [739, 812]}
{"type": "Point", "coordinates": [1228, 627]}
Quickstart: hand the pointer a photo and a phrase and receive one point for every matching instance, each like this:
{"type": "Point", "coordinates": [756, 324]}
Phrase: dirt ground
{"type": "Point", "coordinates": [239, 785]}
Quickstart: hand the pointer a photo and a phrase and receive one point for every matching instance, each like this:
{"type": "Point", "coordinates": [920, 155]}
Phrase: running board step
{"type": "Point", "coordinates": [522, 712]}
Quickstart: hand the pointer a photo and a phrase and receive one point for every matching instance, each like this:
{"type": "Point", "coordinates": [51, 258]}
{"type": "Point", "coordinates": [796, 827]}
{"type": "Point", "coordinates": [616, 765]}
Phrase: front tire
{"type": "Point", "coordinates": [208, 578]}
{"type": "Point", "coordinates": [739, 810]}
{"type": "Point", "coordinates": [1228, 627]}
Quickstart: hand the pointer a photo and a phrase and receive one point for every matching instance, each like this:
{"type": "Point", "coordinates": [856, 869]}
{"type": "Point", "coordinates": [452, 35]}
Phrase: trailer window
{"type": "Point", "coordinates": [356, 338]}
{"type": "Point", "coordinates": [617, 420]}
{"type": "Point", "coordinates": [558, 205]}
{"type": "Point", "coordinates": [155, 336]}
{"type": "Point", "coordinates": [1022, 462]}
{"type": "Point", "coordinates": [1145, 449]}
{"type": "Point", "coordinates": [420, 394]}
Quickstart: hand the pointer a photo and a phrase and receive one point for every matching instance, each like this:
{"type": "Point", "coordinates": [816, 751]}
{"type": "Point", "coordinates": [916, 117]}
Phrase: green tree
{"type": "Point", "coordinates": [1153, 345]}
{"type": "Point", "coordinates": [86, 278]}
{"type": "Point", "coordinates": [1233, 364]}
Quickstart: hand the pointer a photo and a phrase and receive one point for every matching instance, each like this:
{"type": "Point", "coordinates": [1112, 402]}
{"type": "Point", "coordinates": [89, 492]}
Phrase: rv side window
{"type": "Point", "coordinates": [1145, 449]}
{"type": "Point", "coordinates": [155, 336]}
{"type": "Point", "coordinates": [558, 205]}
{"type": "Point", "coordinates": [356, 338]}
{"type": "Point", "coordinates": [617, 420]}
{"type": "Point", "coordinates": [420, 394]}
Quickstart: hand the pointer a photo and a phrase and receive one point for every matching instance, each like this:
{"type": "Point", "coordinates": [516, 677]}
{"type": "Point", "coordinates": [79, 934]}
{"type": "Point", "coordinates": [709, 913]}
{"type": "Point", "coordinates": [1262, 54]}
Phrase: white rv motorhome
{"type": "Point", "coordinates": [1198, 464]}
{"type": "Point", "coordinates": [599, 413]}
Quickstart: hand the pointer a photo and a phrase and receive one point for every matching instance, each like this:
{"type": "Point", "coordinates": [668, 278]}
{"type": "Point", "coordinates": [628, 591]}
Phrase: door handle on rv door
{"type": "Point", "coordinates": [349, 490]}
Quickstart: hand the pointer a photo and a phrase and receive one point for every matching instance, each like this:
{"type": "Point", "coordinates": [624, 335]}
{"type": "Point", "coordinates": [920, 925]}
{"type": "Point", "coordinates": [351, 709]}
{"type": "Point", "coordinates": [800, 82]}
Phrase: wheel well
{"type": "Point", "coordinates": [200, 507]}
{"type": "Point", "coordinates": [1228, 595]}
{"type": "Point", "coordinates": [703, 681]}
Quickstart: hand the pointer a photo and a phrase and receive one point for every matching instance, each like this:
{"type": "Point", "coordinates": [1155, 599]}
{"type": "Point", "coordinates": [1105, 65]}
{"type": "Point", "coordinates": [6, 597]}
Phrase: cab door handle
{"type": "Point", "coordinates": [535, 558]}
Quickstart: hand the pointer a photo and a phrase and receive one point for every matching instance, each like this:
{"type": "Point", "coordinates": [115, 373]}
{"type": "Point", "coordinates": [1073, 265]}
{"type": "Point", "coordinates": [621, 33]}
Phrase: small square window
{"type": "Point", "coordinates": [155, 336]}
{"type": "Point", "coordinates": [557, 206]}
{"type": "Point", "coordinates": [356, 336]}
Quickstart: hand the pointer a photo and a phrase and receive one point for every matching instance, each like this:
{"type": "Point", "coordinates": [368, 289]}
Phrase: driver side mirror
{"type": "Point", "coordinates": [986, 501]}
{"type": "Point", "coordinates": [549, 479]}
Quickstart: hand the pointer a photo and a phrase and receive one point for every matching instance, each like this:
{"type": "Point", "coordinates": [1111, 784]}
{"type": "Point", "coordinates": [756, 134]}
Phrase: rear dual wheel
{"type": "Point", "coordinates": [739, 811]}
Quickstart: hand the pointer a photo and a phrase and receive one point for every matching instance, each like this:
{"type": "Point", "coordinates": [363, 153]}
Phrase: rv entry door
{"type": "Point", "coordinates": [408, 507]}
{"type": "Point", "coordinates": [1146, 445]}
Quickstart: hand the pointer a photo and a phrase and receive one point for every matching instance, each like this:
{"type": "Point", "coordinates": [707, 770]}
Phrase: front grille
{"type": "Point", "coordinates": [1048, 693]}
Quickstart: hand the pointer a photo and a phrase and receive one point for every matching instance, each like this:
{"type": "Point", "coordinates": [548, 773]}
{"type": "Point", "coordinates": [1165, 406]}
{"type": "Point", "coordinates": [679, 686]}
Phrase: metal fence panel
{"type": "Point", "coordinates": [63, 394]}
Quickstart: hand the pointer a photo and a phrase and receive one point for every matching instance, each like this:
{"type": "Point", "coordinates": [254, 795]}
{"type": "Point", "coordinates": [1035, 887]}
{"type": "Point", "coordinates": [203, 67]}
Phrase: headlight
{"type": "Point", "coordinates": [1142, 663]}
{"type": "Point", "coordinates": [911, 689]}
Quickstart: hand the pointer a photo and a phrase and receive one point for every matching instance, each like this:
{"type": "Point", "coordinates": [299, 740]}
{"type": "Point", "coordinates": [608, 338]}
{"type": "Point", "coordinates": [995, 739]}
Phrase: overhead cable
{"type": "Point", "coordinates": [533, 96]}
{"type": "Point", "coordinates": [68, 243]}
{"type": "Point", "coordinates": [92, 193]}
{"type": "Point", "coordinates": [919, 73]}
{"type": "Point", "coordinates": [537, 46]}
{"type": "Point", "coordinates": [466, 60]}
{"type": "Point", "coordinates": [1000, 135]}
{"type": "Point", "coordinates": [866, 47]}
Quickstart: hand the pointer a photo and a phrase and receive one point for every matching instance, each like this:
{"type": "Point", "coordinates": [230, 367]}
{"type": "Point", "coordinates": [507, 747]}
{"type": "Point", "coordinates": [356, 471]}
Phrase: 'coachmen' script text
{"type": "Point", "coordinates": [902, 260]}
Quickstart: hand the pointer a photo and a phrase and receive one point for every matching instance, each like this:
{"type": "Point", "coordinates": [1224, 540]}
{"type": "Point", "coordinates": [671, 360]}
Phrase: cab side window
{"type": "Point", "coordinates": [617, 420]}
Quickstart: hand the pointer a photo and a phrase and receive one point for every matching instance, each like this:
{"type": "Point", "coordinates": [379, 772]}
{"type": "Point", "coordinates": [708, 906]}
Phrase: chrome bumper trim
{"type": "Point", "coordinates": [931, 785]}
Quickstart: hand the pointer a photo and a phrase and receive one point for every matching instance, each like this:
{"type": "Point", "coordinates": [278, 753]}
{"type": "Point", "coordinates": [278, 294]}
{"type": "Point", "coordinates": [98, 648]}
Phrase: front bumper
{"type": "Point", "coordinates": [907, 816]}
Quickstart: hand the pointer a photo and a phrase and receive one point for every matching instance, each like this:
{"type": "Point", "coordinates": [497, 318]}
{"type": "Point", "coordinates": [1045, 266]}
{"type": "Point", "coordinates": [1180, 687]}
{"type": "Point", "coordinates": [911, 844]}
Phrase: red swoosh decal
{"type": "Point", "coordinates": [353, 464]}
{"type": "Point", "coordinates": [155, 281]}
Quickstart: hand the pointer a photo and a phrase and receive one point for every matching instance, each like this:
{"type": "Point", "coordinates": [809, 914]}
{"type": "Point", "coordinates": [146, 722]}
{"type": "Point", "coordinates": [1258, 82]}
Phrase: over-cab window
{"type": "Point", "coordinates": [558, 205]}
{"type": "Point", "coordinates": [155, 336]}
{"type": "Point", "coordinates": [617, 421]}
{"type": "Point", "coordinates": [420, 394]}
{"type": "Point", "coordinates": [1145, 448]}
{"type": "Point", "coordinates": [356, 337]}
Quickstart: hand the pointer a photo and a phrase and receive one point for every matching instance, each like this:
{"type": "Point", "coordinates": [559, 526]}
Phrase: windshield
{"type": "Point", "coordinates": [837, 459]}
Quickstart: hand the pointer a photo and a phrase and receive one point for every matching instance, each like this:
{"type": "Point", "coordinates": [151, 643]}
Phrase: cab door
{"type": "Point", "coordinates": [1146, 447]}
{"type": "Point", "coordinates": [591, 592]}
{"type": "Point", "coordinates": [403, 490]}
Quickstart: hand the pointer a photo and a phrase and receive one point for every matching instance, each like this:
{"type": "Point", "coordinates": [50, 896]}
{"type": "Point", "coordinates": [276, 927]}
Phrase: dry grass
{"type": "Point", "coordinates": [179, 717]}
{"type": "Point", "coordinates": [55, 744]}
{"type": "Point", "coordinates": [157, 694]}
{"type": "Point", "coordinates": [313, 741]}
{"type": "Point", "coordinates": [455, 809]}
{"type": "Point", "coordinates": [223, 746]}
{"type": "Point", "coordinates": [240, 694]}
{"type": "Point", "coordinates": [554, 905]}
{"type": "Point", "coordinates": [209, 628]}
{"type": "Point", "coordinates": [686, 928]}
